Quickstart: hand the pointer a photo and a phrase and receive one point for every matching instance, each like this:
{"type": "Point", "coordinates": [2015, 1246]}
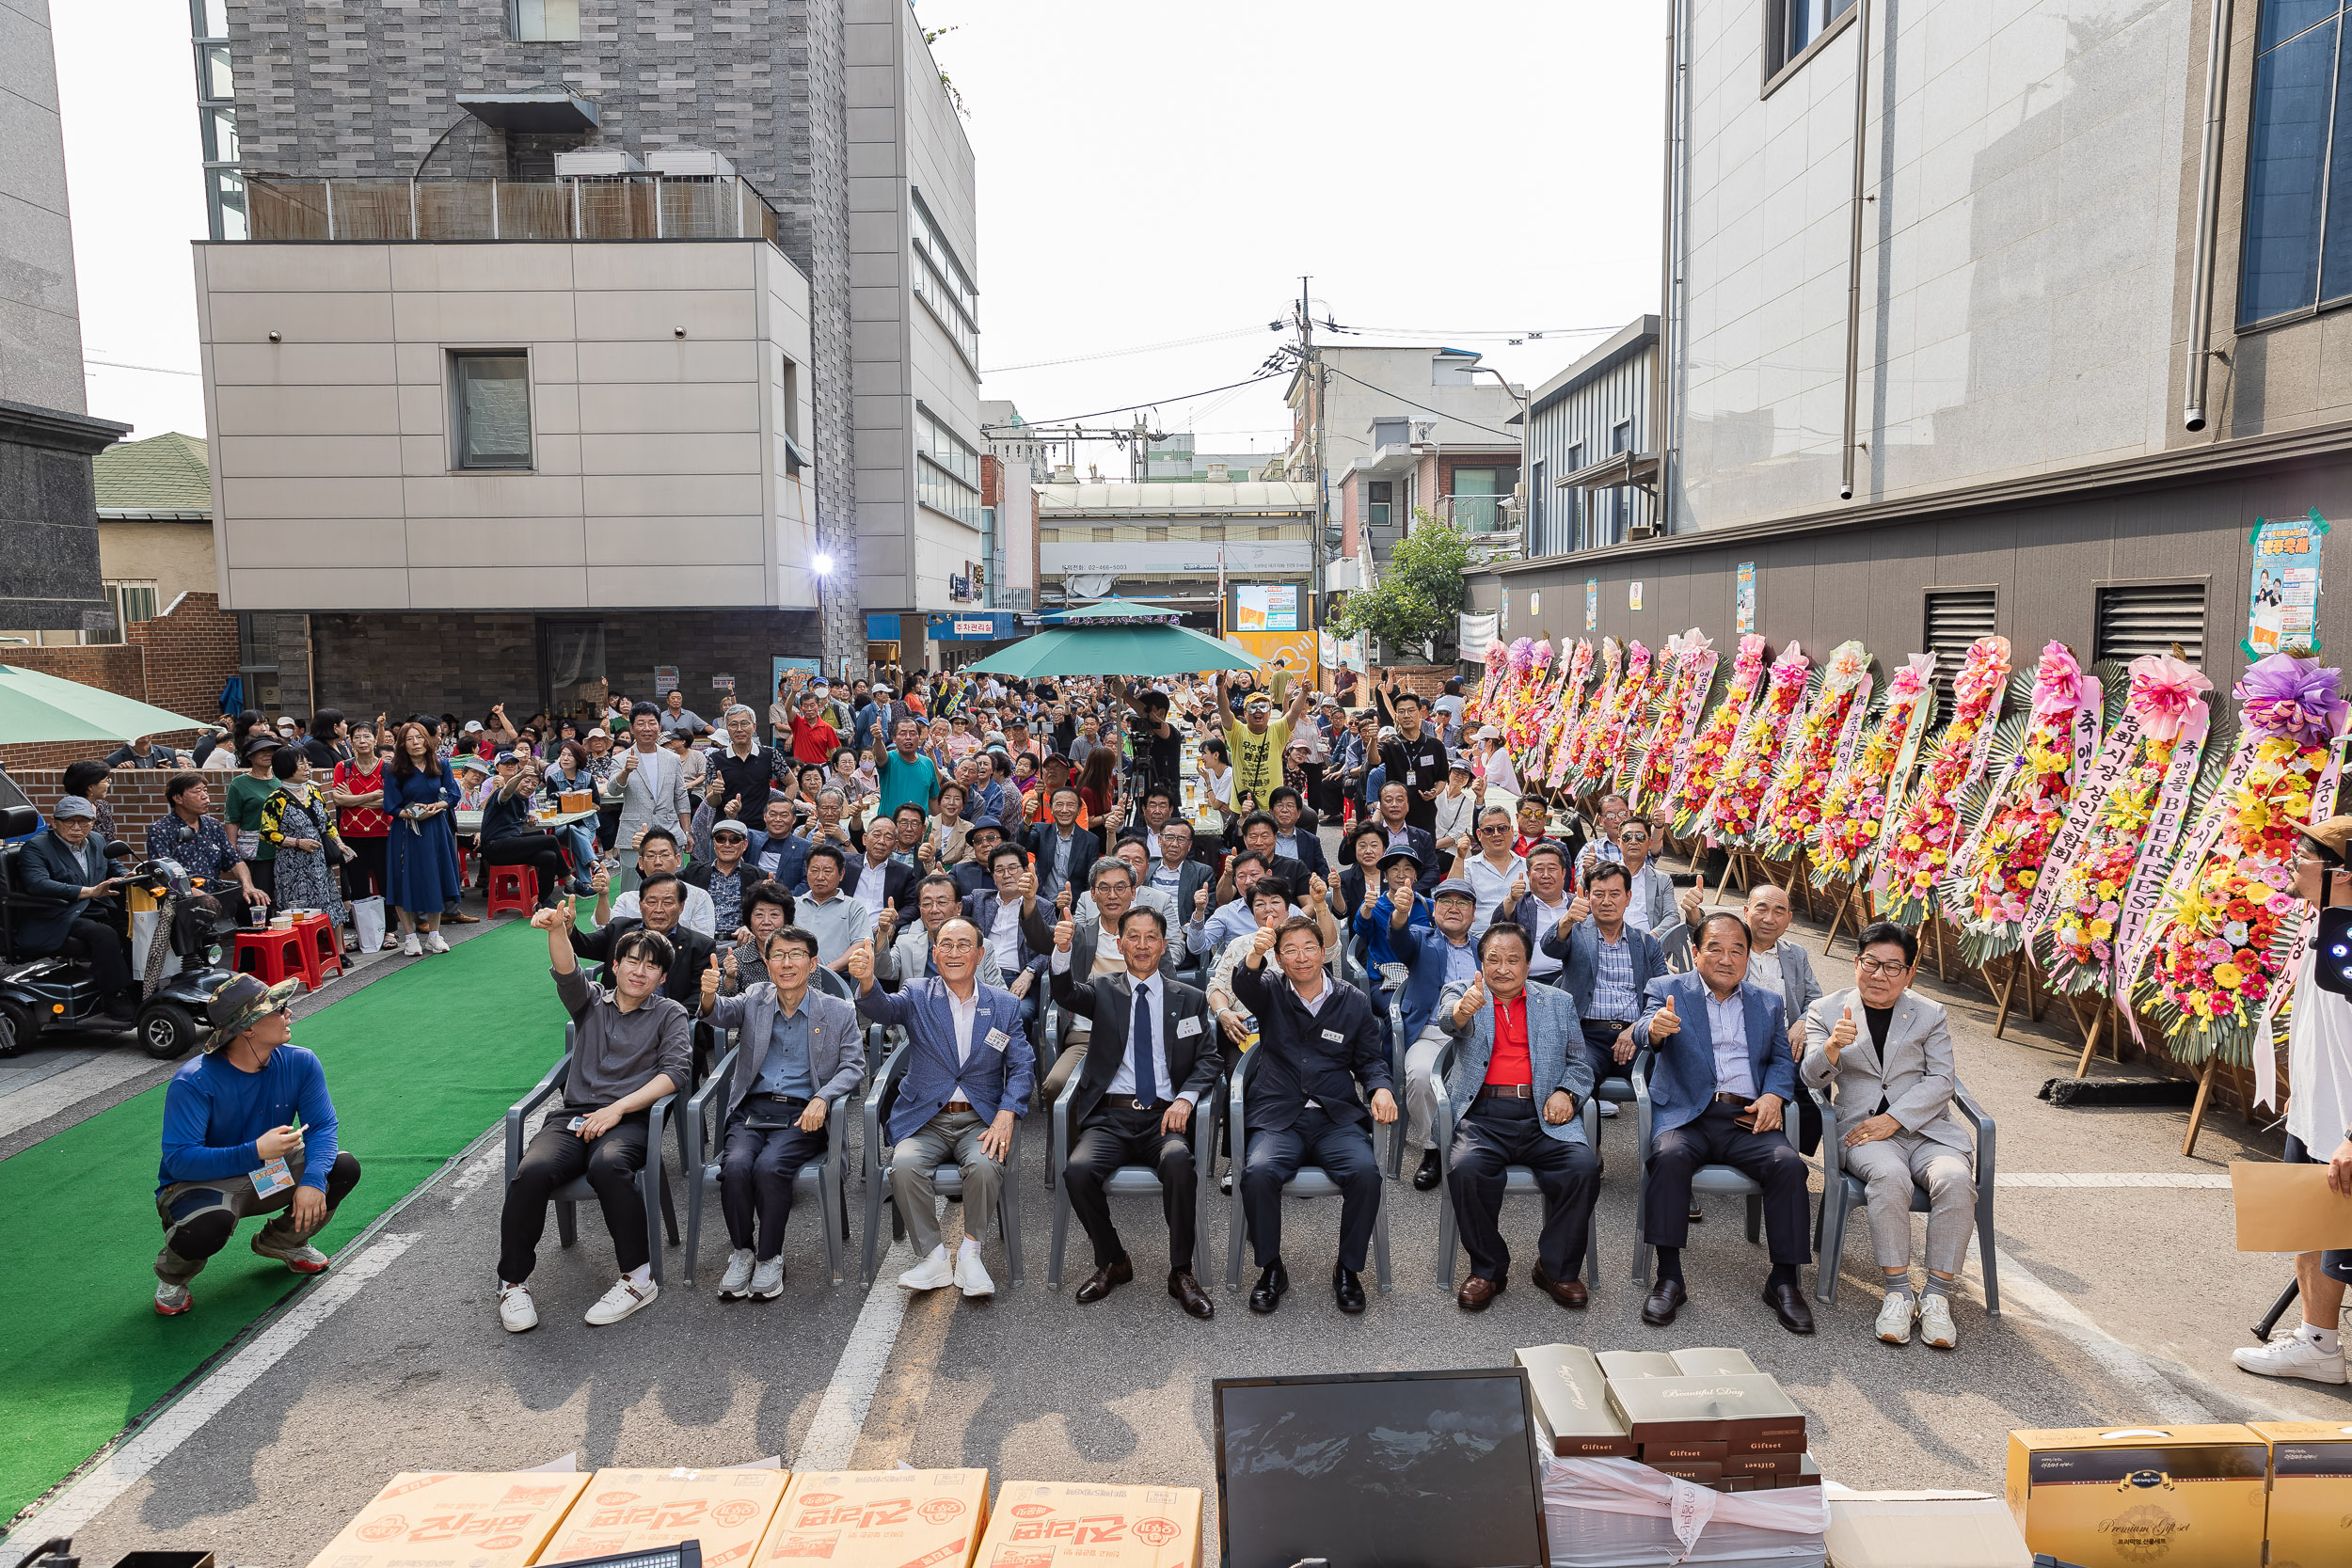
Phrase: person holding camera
{"type": "Point", "coordinates": [2319, 1122]}
{"type": "Point", "coordinates": [1159, 750]}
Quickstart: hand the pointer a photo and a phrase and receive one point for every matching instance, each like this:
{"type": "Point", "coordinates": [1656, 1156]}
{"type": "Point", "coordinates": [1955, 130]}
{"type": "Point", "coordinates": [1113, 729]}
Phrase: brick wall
{"type": "Point", "coordinates": [178, 661]}
{"type": "Point", "coordinates": [136, 795]}
{"type": "Point", "coordinates": [116, 667]}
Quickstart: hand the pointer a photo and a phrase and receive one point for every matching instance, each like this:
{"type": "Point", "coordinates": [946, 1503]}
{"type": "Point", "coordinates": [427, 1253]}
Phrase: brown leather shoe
{"type": "Point", "coordinates": [460, 918]}
{"type": "Point", "coordinates": [1665, 1300]}
{"type": "Point", "coordinates": [1190, 1296]}
{"type": "Point", "coordinates": [1788, 1305]}
{"type": "Point", "coordinates": [1477, 1294]}
{"type": "Point", "coordinates": [1103, 1281]}
{"type": "Point", "coordinates": [1570, 1293]}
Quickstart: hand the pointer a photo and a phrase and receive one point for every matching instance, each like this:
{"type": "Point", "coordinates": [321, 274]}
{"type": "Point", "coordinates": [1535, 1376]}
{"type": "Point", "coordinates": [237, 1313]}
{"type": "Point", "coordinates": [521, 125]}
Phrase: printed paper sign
{"type": "Point", "coordinates": [2284, 611]}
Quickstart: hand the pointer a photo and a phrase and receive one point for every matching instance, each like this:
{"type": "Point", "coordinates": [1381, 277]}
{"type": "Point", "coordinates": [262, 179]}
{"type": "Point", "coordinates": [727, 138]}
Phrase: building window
{"type": "Point", "coordinates": [1479, 495]}
{"type": "Point", "coordinates": [2297, 252]}
{"type": "Point", "coordinates": [1620, 496]}
{"type": "Point", "coordinates": [490, 410]}
{"type": "Point", "coordinates": [941, 284]}
{"type": "Point", "coordinates": [2151, 618]}
{"type": "Point", "coordinates": [1573, 523]}
{"type": "Point", "coordinates": [1538, 530]}
{"type": "Point", "coordinates": [543, 20]}
{"type": "Point", "coordinates": [130, 603]}
{"type": "Point", "coordinates": [1956, 618]}
{"type": "Point", "coordinates": [947, 470]}
{"type": "Point", "coordinates": [1379, 503]}
{"type": "Point", "coordinates": [216, 118]}
{"type": "Point", "coordinates": [1794, 26]}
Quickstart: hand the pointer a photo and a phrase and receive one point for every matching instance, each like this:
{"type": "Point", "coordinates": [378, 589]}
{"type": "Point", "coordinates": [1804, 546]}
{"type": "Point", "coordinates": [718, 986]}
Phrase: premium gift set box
{"type": "Point", "coordinates": [1041, 1524]}
{"type": "Point", "coordinates": [2311, 1492]}
{"type": "Point", "coordinates": [455, 1519]}
{"type": "Point", "coordinates": [878, 1519]}
{"type": "Point", "coordinates": [1705, 1416]}
{"type": "Point", "coordinates": [631, 1511]}
{"type": "Point", "coordinates": [2184, 1496]}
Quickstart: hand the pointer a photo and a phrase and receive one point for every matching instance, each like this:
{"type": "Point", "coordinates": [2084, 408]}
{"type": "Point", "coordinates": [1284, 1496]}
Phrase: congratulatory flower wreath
{"type": "Point", "coordinates": [1791, 816]}
{"type": "Point", "coordinates": [1702, 768]}
{"type": "Point", "coordinates": [1730, 812]}
{"type": "Point", "coordinates": [1668, 744]}
{"type": "Point", "coordinates": [1855, 810]}
{"type": "Point", "coordinates": [1998, 865]}
{"type": "Point", "coordinates": [1916, 850]}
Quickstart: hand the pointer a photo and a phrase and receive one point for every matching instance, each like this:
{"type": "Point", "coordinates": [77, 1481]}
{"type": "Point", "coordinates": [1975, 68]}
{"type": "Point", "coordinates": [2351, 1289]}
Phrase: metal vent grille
{"type": "Point", "coordinates": [1956, 617]}
{"type": "Point", "coordinates": [2149, 618]}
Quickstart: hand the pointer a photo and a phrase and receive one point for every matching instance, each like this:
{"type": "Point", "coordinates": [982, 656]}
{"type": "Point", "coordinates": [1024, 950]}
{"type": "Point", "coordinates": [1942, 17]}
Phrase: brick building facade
{"type": "Point", "coordinates": [178, 661]}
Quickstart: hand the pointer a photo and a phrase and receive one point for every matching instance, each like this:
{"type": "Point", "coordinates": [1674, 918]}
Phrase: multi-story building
{"type": "Point", "coordinates": [2035, 359]}
{"type": "Point", "coordinates": [49, 567]}
{"type": "Point", "coordinates": [1591, 464]}
{"type": "Point", "coordinates": [1015, 464]}
{"type": "Point", "coordinates": [1171, 543]}
{"type": "Point", "coordinates": [1173, 459]}
{"type": "Point", "coordinates": [575, 346]}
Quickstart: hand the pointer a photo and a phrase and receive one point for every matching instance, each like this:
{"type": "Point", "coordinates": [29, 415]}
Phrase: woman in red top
{"type": "Point", "coordinates": [358, 795]}
{"type": "Point", "coordinates": [1098, 782]}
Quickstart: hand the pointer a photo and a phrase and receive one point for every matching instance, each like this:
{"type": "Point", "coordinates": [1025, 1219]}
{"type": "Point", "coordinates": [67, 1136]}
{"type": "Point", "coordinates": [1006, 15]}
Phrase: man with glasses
{"type": "Point", "coordinates": [1895, 1125]}
{"type": "Point", "coordinates": [1494, 874]}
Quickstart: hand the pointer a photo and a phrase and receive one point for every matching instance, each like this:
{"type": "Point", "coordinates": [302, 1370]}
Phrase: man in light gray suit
{"type": "Point", "coordinates": [796, 1049]}
{"type": "Point", "coordinates": [1784, 968]}
{"type": "Point", "coordinates": [1888, 1052]}
{"type": "Point", "coordinates": [650, 787]}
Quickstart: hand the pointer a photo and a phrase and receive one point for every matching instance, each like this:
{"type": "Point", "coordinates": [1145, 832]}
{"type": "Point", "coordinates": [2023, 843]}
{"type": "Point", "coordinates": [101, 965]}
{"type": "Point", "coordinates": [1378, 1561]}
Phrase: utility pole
{"type": "Point", "coordinates": [1313, 371]}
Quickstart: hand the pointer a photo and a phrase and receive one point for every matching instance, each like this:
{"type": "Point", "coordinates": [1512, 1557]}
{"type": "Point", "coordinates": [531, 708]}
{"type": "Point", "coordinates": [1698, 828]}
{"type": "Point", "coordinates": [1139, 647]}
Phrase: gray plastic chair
{"type": "Point", "coordinates": [1842, 1193]}
{"type": "Point", "coordinates": [829, 1176]}
{"type": "Point", "coordinates": [948, 1177]}
{"type": "Point", "coordinates": [654, 1180]}
{"type": "Point", "coordinates": [1518, 1180]}
{"type": "Point", "coordinates": [1310, 1183]}
{"type": "Point", "coordinates": [1706, 1179]}
{"type": "Point", "coordinates": [1130, 1181]}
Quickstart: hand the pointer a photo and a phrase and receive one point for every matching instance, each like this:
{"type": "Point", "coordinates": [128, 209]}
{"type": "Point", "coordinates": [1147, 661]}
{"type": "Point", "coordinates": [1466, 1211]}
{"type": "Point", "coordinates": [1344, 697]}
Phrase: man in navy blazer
{"type": "Point", "coordinates": [1606, 963]}
{"type": "Point", "coordinates": [1719, 1078]}
{"type": "Point", "coordinates": [968, 1076]}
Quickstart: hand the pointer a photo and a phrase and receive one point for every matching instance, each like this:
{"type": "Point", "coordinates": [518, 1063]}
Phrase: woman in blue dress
{"type": "Point", "coordinates": [421, 852]}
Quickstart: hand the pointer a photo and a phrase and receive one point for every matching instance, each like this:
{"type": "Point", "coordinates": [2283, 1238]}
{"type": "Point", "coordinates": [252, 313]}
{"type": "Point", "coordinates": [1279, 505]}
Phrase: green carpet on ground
{"type": "Point", "coordinates": [418, 1064]}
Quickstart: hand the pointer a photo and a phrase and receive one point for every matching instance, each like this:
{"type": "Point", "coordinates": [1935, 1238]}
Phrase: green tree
{"type": "Point", "coordinates": [1419, 592]}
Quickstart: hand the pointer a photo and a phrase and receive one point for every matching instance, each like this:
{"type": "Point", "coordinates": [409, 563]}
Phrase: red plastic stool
{"type": "Point", "coordinates": [276, 956]}
{"type": "Point", "coordinates": [328, 943]}
{"type": "Point", "coordinates": [514, 888]}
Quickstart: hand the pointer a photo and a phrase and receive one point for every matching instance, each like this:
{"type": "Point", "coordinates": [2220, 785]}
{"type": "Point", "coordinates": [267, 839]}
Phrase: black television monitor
{"type": "Point", "coordinates": [1380, 1470]}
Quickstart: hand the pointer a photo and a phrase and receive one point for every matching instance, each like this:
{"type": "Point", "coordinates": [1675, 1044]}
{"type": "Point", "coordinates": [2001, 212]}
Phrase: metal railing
{"type": "Point", "coordinates": [1490, 522]}
{"type": "Point", "coordinates": [615, 207]}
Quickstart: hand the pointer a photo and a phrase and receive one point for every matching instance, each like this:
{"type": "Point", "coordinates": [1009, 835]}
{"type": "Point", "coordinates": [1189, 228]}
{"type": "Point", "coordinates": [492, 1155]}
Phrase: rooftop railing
{"type": "Point", "coordinates": [613, 207]}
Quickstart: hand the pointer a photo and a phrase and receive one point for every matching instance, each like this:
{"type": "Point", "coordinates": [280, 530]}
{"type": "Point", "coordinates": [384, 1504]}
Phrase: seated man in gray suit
{"type": "Point", "coordinates": [796, 1049]}
{"type": "Point", "coordinates": [1785, 970]}
{"type": "Point", "coordinates": [1519, 1075]}
{"type": "Point", "coordinates": [1892, 1072]}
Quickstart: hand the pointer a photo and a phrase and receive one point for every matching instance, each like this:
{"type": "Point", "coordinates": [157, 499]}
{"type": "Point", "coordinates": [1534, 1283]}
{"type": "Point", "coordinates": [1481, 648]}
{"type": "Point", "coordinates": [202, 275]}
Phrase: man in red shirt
{"type": "Point", "coordinates": [813, 739]}
{"type": "Point", "coordinates": [1520, 1077]}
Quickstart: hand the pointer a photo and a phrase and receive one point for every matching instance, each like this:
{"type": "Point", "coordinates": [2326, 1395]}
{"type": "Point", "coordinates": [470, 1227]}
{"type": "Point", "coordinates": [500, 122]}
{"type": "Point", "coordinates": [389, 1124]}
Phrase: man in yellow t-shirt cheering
{"type": "Point", "coordinates": [1257, 739]}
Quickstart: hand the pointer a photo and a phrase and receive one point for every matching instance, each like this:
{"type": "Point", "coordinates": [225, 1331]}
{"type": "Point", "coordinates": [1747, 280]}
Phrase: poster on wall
{"type": "Point", "coordinates": [1265, 607]}
{"type": "Point", "coordinates": [1534, 604]}
{"type": "Point", "coordinates": [2284, 611]}
{"type": "Point", "coordinates": [1505, 615]}
{"type": "Point", "coordinates": [1592, 604]}
{"type": "Point", "coordinates": [1744, 598]}
{"type": "Point", "coordinates": [1633, 595]}
{"type": "Point", "coordinates": [665, 680]}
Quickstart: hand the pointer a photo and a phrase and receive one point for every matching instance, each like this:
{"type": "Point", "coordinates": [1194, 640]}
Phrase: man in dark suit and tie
{"type": "Point", "coordinates": [1721, 1077]}
{"type": "Point", "coordinates": [1151, 1058]}
{"type": "Point", "coordinates": [1320, 1042]}
{"type": "Point", "coordinates": [1061, 851]}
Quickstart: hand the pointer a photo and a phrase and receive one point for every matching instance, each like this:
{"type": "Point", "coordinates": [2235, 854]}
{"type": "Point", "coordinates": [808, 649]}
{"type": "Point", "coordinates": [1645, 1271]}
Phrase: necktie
{"type": "Point", "coordinates": [1139, 1048]}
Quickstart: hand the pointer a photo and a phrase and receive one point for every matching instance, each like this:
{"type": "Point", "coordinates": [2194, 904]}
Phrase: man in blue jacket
{"type": "Point", "coordinates": [64, 875]}
{"type": "Point", "coordinates": [969, 1072]}
{"type": "Point", "coordinates": [249, 1130]}
{"type": "Point", "coordinates": [1720, 1080]}
{"type": "Point", "coordinates": [1439, 962]}
{"type": "Point", "coordinates": [1606, 965]}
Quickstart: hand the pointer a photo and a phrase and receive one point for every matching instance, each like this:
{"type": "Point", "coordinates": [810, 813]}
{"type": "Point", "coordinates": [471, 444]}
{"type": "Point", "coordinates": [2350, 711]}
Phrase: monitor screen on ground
{"type": "Point", "coordinates": [1378, 1470]}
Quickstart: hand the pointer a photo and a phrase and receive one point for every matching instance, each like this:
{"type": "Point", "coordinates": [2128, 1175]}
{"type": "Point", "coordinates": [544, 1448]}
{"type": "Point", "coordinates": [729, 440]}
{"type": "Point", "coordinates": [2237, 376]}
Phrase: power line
{"type": "Point", "coordinates": [1528, 334]}
{"type": "Point", "coordinates": [1117, 352]}
{"type": "Point", "coordinates": [159, 370]}
{"type": "Point", "coordinates": [1154, 402]}
{"type": "Point", "coordinates": [1422, 407]}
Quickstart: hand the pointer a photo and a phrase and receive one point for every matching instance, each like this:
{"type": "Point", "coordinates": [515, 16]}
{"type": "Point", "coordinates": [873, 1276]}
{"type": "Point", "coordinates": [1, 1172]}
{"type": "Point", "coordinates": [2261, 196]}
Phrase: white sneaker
{"type": "Point", "coordinates": [768, 1279]}
{"type": "Point", "coordinates": [738, 1276]}
{"type": "Point", "coordinates": [933, 1273]}
{"type": "Point", "coordinates": [1895, 1315]}
{"type": "Point", "coordinates": [624, 1297]}
{"type": "Point", "coordinates": [2293, 1355]}
{"type": "Point", "coordinates": [412, 947]}
{"type": "Point", "coordinates": [302, 1257]}
{"type": "Point", "coordinates": [170, 1300]}
{"type": "Point", "coordinates": [1935, 1325]}
{"type": "Point", "coordinates": [971, 1276]}
{"type": "Point", "coordinates": [517, 1313]}
{"type": "Point", "coordinates": [432, 942]}
{"type": "Point", "coordinates": [1608, 1109]}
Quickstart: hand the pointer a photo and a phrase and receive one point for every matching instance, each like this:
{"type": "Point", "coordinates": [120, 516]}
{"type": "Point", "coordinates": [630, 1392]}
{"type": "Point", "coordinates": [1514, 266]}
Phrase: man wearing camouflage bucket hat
{"type": "Point", "coordinates": [249, 1130]}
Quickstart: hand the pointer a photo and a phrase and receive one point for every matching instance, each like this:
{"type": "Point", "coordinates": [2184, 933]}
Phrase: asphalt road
{"type": "Point", "coordinates": [2121, 1305]}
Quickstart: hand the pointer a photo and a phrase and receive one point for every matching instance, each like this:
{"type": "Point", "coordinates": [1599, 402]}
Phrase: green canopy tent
{"type": "Point", "coordinates": [34, 707]}
{"type": "Point", "coordinates": [1117, 637]}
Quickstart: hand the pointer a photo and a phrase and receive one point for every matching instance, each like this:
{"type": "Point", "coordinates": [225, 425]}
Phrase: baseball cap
{"type": "Point", "coordinates": [1403, 852]}
{"type": "Point", "coordinates": [1457, 887]}
{"type": "Point", "coordinates": [239, 1003]}
{"type": "Point", "coordinates": [467, 759]}
{"type": "Point", "coordinates": [71, 806]}
{"type": "Point", "coordinates": [473, 726]}
{"type": "Point", "coordinates": [505, 754]}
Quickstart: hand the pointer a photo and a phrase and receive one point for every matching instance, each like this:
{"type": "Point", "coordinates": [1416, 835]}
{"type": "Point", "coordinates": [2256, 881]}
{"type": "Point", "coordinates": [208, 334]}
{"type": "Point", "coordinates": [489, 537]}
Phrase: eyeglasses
{"type": "Point", "coordinates": [728, 838]}
{"type": "Point", "coordinates": [955, 945]}
{"type": "Point", "coordinates": [1496, 827]}
{"type": "Point", "coordinates": [1884, 969]}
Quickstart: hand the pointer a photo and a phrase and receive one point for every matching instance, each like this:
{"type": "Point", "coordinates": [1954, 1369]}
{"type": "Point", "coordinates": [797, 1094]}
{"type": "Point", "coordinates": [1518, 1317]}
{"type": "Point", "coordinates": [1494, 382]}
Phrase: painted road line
{"type": "Point", "coordinates": [118, 1471]}
{"type": "Point", "coordinates": [833, 1435]}
{"type": "Point", "coordinates": [477, 1173]}
{"type": "Point", "coordinates": [2107, 1180]}
{"type": "Point", "coordinates": [38, 1102]}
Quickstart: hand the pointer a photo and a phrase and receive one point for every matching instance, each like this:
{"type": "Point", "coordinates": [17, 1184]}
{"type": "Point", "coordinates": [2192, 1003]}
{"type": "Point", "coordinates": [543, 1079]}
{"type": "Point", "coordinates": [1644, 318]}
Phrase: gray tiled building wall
{"type": "Point", "coordinates": [365, 90]}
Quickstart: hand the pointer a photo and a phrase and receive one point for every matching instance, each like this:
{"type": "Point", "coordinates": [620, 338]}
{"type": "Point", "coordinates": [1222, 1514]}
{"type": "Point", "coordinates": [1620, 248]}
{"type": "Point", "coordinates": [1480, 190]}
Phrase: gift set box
{"type": "Point", "coordinates": [878, 1519]}
{"type": "Point", "coordinates": [1705, 1414]}
{"type": "Point", "coordinates": [2184, 1496]}
{"type": "Point", "coordinates": [631, 1510]}
{"type": "Point", "coordinates": [1041, 1524]}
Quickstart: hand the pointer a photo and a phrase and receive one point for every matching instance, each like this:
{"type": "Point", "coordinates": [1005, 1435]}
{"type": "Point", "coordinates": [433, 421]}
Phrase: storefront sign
{"type": "Point", "coordinates": [1743, 599]}
{"type": "Point", "coordinates": [2284, 614]}
{"type": "Point", "coordinates": [665, 679]}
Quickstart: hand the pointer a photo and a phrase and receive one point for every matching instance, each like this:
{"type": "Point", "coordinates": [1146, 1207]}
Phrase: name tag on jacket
{"type": "Point", "coordinates": [1334, 1036]}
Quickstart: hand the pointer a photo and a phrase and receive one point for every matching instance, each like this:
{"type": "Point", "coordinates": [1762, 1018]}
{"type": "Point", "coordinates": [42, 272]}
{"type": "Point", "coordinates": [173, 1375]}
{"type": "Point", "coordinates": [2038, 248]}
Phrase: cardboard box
{"type": "Point", "coordinates": [455, 1519]}
{"type": "Point", "coordinates": [1805, 1474]}
{"type": "Point", "coordinates": [1043, 1524]}
{"type": "Point", "coordinates": [1901, 1530]}
{"type": "Point", "coordinates": [1706, 1472]}
{"type": "Point", "coordinates": [1572, 1398]}
{"type": "Point", "coordinates": [1751, 1414]}
{"type": "Point", "coordinates": [1716, 1361]}
{"type": "Point", "coordinates": [2311, 1492]}
{"type": "Point", "coordinates": [2184, 1496]}
{"type": "Point", "coordinates": [878, 1519]}
{"type": "Point", "coordinates": [1766, 1465]}
{"type": "Point", "coordinates": [631, 1510]}
{"type": "Point", "coordinates": [1684, 1450]}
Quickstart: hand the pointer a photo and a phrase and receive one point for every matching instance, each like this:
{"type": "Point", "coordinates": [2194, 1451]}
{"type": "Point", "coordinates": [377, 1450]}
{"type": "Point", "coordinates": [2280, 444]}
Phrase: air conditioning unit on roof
{"type": "Point", "coordinates": [588, 162]}
{"type": "Point", "coordinates": [684, 162]}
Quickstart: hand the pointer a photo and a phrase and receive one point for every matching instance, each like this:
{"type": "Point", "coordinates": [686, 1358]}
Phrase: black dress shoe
{"type": "Point", "coordinates": [1272, 1280]}
{"type": "Point", "coordinates": [1190, 1296]}
{"type": "Point", "coordinates": [1429, 1175]}
{"type": "Point", "coordinates": [1788, 1305]}
{"type": "Point", "coordinates": [1348, 1289]}
{"type": "Point", "coordinates": [1666, 1299]}
{"type": "Point", "coordinates": [1103, 1281]}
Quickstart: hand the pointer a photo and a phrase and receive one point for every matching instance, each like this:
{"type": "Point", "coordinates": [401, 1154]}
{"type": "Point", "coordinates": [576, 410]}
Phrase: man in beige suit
{"type": "Point", "coordinates": [1888, 1054]}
